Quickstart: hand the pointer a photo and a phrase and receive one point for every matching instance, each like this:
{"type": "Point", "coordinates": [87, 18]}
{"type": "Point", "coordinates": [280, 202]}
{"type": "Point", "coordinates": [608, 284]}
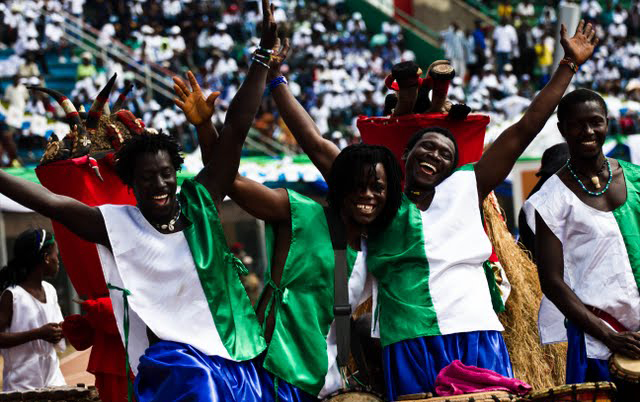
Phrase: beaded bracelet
{"type": "Point", "coordinates": [277, 81]}
{"type": "Point", "coordinates": [264, 51]}
{"type": "Point", "coordinates": [261, 57]}
{"type": "Point", "coordinates": [569, 63]}
{"type": "Point", "coordinates": [260, 62]}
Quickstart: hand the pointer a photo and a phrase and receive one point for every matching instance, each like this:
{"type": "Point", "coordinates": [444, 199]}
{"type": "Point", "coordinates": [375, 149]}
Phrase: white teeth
{"type": "Point", "coordinates": [365, 208]}
{"type": "Point", "coordinates": [589, 142]}
{"type": "Point", "coordinates": [428, 165]}
{"type": "Point", "coordinates": [160, 197]}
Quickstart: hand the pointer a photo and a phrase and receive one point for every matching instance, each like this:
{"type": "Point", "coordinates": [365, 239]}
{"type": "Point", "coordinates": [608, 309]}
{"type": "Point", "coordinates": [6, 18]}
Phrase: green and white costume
{"type": "Point", "coordinates": [430, 266]}
{"type": "Point", "coordinates": [601, 252]}
{"type": "Point", "coordinates": [302, 350]}
{"type": "Point", "coordinates": [184, 286]}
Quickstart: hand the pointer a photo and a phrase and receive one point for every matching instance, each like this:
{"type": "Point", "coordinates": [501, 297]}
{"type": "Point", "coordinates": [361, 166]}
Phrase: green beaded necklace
{"type": "Point", "coordinates": [593, 193]}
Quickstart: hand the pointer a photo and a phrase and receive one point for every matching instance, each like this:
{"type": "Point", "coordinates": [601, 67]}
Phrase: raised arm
{"type": "Point", "coordinates": [551, 272]}
{"type": "Point", "coordinates": [321, 151]}
{"type": "Point", "coordinates": [84, 221]}
{"type": "Point", "coordinates": [498, 160]}
{"type": "Point", "coordinates": [270, 205]}
{"type": "Point", "coordinates": [218, 175]}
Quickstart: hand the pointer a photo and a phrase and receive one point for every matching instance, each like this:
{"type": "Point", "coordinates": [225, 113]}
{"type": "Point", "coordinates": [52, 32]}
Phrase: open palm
{"type": "Point", "coordinates": [195, 107]}
{"type": "Point", "coordinates": [579, 47]}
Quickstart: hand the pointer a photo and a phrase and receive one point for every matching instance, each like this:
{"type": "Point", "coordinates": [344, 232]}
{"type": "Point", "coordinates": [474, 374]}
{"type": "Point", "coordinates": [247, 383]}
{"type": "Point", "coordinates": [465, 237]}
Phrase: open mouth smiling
{"type": "Point", "coordinates": [428, 168]}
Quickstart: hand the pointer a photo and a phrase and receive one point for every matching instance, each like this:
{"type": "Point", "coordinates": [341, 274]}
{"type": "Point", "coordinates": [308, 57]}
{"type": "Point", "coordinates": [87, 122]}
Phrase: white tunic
{"type": "Point", "coordinates": [596, 263]}
{"type": "Point", "coordinates": [33, 364]}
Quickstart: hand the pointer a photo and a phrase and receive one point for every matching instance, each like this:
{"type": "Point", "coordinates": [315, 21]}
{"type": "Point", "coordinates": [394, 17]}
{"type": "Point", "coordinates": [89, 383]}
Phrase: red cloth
{"type": "Point", "coordinates": [78, 331]}
{"type": "Point", "coordinates": [459, 379]}
{"type": "Point", "coordinates": [76, 179]}
{"type": "Point", "coordinates": [395, 132]}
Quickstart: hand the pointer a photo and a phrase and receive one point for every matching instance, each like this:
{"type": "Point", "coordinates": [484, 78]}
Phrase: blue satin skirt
{"type": "Point", "coordinates": [580, 368]}
{"type": "Point", "coordinates": [170, 371]}
{"type": "Point", "coordinates": [411, 366]}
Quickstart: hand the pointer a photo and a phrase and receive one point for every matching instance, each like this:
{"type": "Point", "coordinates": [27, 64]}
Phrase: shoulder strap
{"type": "Point", "coordinates": [341, 306]}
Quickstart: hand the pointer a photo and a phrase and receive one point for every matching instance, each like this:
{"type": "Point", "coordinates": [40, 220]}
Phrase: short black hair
{"type": "Point", "coordinates": [435, 129]}
{"type": "Point", "coordinates": [573, 98]}
{"type": "Point", "coordinates": [149, 143]}
{"type": "Point", "coordinates": [28, 251]}
{"type": "Point", "coordinates": [346, 176]}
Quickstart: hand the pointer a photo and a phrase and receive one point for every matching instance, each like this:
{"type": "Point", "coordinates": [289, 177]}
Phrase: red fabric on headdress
{"type": "Point", "coordinates": [395, 132]}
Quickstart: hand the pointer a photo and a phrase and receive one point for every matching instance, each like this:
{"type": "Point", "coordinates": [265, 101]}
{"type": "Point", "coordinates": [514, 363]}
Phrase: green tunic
{"type": "Point", "coordinates": [303, 302]}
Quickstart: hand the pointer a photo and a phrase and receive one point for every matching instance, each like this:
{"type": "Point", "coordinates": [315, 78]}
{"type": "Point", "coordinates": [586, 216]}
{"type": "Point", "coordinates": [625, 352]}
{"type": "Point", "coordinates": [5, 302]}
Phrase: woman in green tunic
{"type": "Point", "coordinates": [296, 308]}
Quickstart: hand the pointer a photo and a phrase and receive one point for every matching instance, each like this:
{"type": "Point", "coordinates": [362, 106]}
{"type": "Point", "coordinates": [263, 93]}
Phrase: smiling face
{"type": "Point", "coordinates": [155, 185]}
{"type": "Point", "coordinates": [585, 129]}
{"type": "Point", "coordinates": [365, 203]}
{"type": "Point", "coordinates": [430, 161]}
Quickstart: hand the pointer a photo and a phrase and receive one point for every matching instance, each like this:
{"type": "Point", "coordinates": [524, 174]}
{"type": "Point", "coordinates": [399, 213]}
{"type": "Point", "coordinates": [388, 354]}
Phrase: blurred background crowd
{"type": "Point", "coordinates": [336, 66]}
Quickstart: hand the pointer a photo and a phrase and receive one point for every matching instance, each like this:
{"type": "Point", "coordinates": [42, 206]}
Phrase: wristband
{"type": "Point", "coordinates": [260, 62]}
{"type": "Point", "coordinates": [264, 51]}
{"type": "Point", "coordinates": [277, 81]}
{"type": "Point", "coordinates": [569, 63]}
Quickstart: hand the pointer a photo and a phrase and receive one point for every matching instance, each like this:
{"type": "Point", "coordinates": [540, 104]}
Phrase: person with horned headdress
{"type": "Point", "coordinates": [586, 220]}
{"type": "Point", "coordinates": [296, 307]}
{"type": "Point", "coordinates": [30, 316]}
{"type": "Point", "coordinates": [433, 303]}
{"type": "Point", "coordinates": [188, 326]}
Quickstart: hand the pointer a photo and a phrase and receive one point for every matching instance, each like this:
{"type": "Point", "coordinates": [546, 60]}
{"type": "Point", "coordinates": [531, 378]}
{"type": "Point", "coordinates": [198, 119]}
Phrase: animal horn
{"type": "Point", "coordinates": [73, 118]}
{"type": "Point", "coordinates": [97, 108]}
{"type": "Point", "coordinates": [122, 97]}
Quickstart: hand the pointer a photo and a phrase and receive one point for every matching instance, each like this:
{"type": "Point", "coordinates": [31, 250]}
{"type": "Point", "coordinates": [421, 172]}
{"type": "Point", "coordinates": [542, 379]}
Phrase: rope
{"type": "Point", "coordinates": [125, 323]}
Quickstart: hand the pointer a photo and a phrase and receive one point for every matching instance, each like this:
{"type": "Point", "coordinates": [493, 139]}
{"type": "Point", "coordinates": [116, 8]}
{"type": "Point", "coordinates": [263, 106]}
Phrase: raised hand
{"type": "Point", "coordinates": [195, 107]}
{"type": "Point", "coordinates": [580, 47]}
{"type": "Point", "coordinates": [269, 26]}
{"type": "Point", "coordinates": [277, 58]}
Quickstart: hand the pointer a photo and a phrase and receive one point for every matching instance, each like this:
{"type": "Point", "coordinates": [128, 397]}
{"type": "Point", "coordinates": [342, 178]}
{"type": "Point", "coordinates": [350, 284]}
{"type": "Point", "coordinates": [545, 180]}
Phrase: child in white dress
{"type": "Point", "coordinates": [30, 316]}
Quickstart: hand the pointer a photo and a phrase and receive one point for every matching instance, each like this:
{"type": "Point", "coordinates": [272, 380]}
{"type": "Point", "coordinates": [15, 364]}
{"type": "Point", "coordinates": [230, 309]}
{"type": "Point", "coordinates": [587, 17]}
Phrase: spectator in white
{"type": "Point", "coordinates": [508, 81]}
{"type": "Point", "coordinates": [591, 9]}
{"type": "Point", "coordinates": [617, 31]}
{"type": "Point", "coordinates": [29, 68]}
{"type": "Point", "coordinates": [108, 32]}
{"type": "Point", "coordinates": [76, 7]}
{"type": "Point", "coordinates": [53, 31]}
{"type": "Point", "coordinates": [176, 41]}
{"type": "Point", "coordinates": [505, 40]}
{"type": "Point", "coordinates": [221, 39]}
{"type": "Point", "coordinates": [453, 44]}
{"type": "Point", "coordinates": [171, 8]}
{"type": "Point", "coordinates": [525, 9]}
{"type": "Point", "coordinates": [16, 94]}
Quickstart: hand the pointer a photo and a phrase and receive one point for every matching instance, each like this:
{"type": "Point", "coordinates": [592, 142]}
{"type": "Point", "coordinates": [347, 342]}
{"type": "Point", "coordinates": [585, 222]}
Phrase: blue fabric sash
{"type": "Point", "coordinates": [170, 371]}
{"type": "Point", "coordinates": [579, 367]}
{"type": "Point", "coordinates": [411, 366]}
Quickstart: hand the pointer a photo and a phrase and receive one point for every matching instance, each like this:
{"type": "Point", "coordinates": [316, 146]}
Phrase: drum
{"type": "Point", "coordinates": [354, 395]}
{"type": "Point", "coordinates": [79, 393]}
{"type": "Point", "coordinates": [624, 368]}
{"type": "Point", "coordinates": [589, 391]}
{"type": "Point", "coordinates": [492, 396]}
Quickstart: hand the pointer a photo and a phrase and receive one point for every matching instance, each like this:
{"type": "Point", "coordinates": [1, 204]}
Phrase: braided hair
{"type": "Point", "coordinates": [356, 161]}
{"type": "Point", "coordinates": [28, 251]}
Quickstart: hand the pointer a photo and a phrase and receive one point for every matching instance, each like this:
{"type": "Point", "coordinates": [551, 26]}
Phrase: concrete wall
{"type": "Point", "coordinates": [438, 14]}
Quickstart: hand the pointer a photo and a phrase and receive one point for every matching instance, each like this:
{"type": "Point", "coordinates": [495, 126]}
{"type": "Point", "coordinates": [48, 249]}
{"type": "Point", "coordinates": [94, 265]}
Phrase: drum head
{"type": "Point", "coordinates": [589, 391]}
{"type": "Point", "coordinates": [442, 72]}
{"type": "Point", "coordinates": [493, 396]}
{"type": "Point", "coordinates": [353, 396]}
{"type": "Point", "coordinates": [625, 368]}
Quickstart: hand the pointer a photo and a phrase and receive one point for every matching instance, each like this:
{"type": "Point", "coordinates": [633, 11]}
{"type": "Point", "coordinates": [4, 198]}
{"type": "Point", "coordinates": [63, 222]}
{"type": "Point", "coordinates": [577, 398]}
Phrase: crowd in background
{"type": "Point", "coordinates": [505, 66]}
{"type": "Point", "coordinates": [336, 66]}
